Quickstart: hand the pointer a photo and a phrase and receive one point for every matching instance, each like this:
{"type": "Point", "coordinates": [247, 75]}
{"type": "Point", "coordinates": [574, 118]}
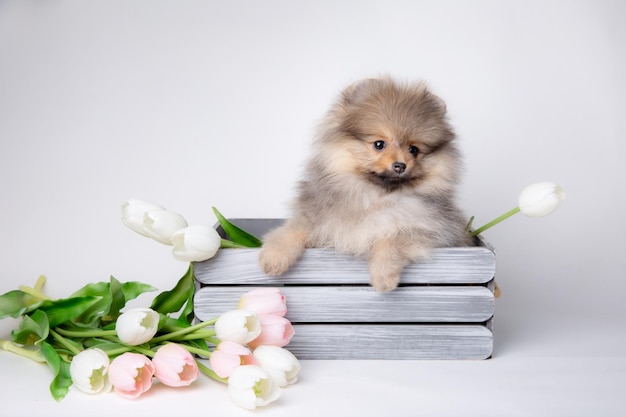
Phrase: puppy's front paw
{"type": "Point", "coordinates": [281, 249]}
{"type": "Point", "coordinates": [385, 283]}
{"type": "Point", "coordinates": [385, 265]}
{"type": "Point", "coordinates": [274, 261]}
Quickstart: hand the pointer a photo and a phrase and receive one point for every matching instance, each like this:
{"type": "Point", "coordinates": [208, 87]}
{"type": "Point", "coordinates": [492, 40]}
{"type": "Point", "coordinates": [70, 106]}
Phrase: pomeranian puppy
{"type": "Point", "coordinates": [380, 184]}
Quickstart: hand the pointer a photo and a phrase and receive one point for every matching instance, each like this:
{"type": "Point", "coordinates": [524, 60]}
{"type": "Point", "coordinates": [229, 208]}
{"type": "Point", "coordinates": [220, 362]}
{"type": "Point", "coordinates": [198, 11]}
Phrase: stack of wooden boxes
{"type": "Point", "coordinates": [443, 308]}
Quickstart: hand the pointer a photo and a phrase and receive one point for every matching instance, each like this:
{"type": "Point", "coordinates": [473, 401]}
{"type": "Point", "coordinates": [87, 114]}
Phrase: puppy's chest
{"type": "Point", "coordinates": [352, 223]}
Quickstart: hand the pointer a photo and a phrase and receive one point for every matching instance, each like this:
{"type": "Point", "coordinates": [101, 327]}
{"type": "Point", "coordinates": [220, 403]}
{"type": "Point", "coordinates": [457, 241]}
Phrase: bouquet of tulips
{"type": "Point", "coordinates": [92, 342]}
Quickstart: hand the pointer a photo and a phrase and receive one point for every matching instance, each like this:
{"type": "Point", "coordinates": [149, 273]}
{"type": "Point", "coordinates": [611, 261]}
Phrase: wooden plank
{"type": "Point", "coordinates": [466, 265]}
{"type": "Point", "coordinates": [329, 304]}
{"type": "Point", "coordinates": [402, 342]}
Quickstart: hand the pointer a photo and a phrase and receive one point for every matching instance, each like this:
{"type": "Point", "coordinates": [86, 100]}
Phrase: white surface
{"type": "Point", "coordinates": [193, 104]}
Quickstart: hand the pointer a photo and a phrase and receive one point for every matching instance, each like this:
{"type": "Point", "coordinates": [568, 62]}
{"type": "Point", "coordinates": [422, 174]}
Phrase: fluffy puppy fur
{"type": "Point", "coordinates": [380, 184]}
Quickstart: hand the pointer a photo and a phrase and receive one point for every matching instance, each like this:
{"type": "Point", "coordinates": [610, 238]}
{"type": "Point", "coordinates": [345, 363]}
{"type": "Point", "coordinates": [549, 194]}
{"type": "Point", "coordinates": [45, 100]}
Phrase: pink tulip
{"type": "Point", "coordinates": [174, 366]}
{"type": "Point", "coordinates": [275, 331]}
{"type": "Point", "coordinates": [264, 301]}
{"type": "Point", "coordinates": [228, 356]}
{"type": "Point", "coordinates": [131, 374]}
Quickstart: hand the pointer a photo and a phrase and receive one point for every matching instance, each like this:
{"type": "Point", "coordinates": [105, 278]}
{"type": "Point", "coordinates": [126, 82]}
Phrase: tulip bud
{"type": "Point", "coordinates": [161, 225]}
{"type": "Point", "coordinates": [249, 386]}
{"type": "Point", "coordinates": [281, 364]}
{"type": "Point", "coordinates": [541, 199]}
{"type": "Point", "coordinates": [137, 326]}
{"type": "Point", "coordinates": [240, 326]}
{"type": "Point", "coordinates": [152, 220]}
{"type": "Point", "coordinates": [195, 243]}
{"type": "Point", "coordinates": [264, 301]}
{"type": "Point", "coordinates": [131, 374]}
{"type": "Point", "coordinates": [89, 371]}
{"type": "Point", "coordinates": [174, 366]}
{"type": "Point", "coordinates": [133, 212]}
{"type": "Point", "coordinates": [228, 356]}
{"type": "Point", "coordinates": [275, 330]}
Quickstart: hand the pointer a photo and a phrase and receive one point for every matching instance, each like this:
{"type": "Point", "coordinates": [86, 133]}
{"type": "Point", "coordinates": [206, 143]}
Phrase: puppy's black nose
{"type": "Point", "coordinates": [399, 167]}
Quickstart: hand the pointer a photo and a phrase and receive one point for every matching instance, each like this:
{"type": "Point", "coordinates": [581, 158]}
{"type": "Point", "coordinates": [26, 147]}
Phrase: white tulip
{"type": "Point", "coordinates": [249, 386]}
{"type": "Point", "coordinates": [195, 243]}
{"type": "Point", "coordinates": [281, 364]}
{"type": "Point", "coordinates": [137, 326]}
{"type": "Point", "coordinates": [133, 212]}
{"type": "Point", "coordinates": [240, 326]}
{"type": "Point", "coordinates": [536, 200]}
{"type": "Point", "coordinates": [89, 371]}
{"type": "Point", "coordinates": [161, 225]}
{"type": "Point", "coordinates": [541, 199]}
{"type": "Point", "coordinates": [152, 220]}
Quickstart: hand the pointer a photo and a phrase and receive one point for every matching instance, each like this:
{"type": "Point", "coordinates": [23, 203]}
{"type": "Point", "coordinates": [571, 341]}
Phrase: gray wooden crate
{"type": "Point", "coordinates": [442, 310]}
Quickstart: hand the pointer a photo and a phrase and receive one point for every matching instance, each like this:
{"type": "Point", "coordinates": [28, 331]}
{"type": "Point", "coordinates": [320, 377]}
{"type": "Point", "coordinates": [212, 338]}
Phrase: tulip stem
{"type": "Point", "coordinates": [64, 342]}
{"type": "Point", "coordinates": [197, 351]}
{"type": "Point", "coordinates": [143, 351]}
{"type": "Point", "coordinates": [201, 334]}
{"type": "Point", "coordinates": [36, 290]}
{"type": "Point", "coordinates": [86, 333]}
{"type": "Point", "coordinates": [30, 353]}
{"type": "Point", "coordinates": [495, 221]}
{"type": "Point", "coordinates": [213, 340]}
{"type": "Point", "coordinates": [210, 373]}
{"type": "Point", "coordinates": [184, 331]}
{"type": "Point", "coordinates": [115, 352]}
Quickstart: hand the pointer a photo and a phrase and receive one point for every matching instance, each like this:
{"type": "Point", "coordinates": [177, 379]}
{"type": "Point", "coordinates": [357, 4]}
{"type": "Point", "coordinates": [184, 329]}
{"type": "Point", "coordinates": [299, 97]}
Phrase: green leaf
{"type": "Point", "coordinates": [63, 310]}
{"type": "Point", "coordinates": [187, 315]}
{"type": "Point", "coordinates": [118, 300]}
{"type": "Point", "coordinates": [61, 370]}
{"type": "Point", "coordinates": [95, 342]}
{"type": "Point", "coordinates": [134, 289]}
{"type": "Point", "coordinates": [109, 347]}
{"type": "Point", "coordinates": [96, 289]}
{"type": "Point", "coordinates": [229, 244]}
{"type": "Point", "coordinates": [15, 303]}
{"type": "Point", "coordinates": [131, 289]}
{"type": "Point", "coordinates": [93, 315]}
{"type": "Point", "coordinates": [173, 300]}
{"type": "Point", "coordinates": [33, 329]}
{"type": "Point", "coordinates": [237, 234]}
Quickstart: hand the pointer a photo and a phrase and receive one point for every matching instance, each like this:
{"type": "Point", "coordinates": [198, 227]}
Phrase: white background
{"type": "Point", "coordinates": [196, 104]}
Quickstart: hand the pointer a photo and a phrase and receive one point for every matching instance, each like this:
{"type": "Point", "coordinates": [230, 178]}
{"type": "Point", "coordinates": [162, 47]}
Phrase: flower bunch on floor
{"type": "Point", "coordinates": [95, 343]}
{"type": "Point", "coordinates": [91, 344]}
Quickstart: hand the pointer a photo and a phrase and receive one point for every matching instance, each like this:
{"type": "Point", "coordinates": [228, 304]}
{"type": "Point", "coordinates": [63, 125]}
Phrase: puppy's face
{"type": "Point", "coordinates": [395, 136]}
{"type": "Point", "coordinates": [389, 161]}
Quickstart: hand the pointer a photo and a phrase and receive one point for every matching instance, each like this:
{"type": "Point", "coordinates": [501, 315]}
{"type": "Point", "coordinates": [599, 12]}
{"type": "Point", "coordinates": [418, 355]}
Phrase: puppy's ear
{"type": "Point", "coordinates": [436, 101]}
{"type": "Point", "coordinates": [357, 91]}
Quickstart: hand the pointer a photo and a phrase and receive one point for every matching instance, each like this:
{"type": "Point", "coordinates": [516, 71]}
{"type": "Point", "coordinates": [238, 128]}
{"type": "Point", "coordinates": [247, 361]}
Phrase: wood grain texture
{"type": "Point", "coordinates": [401, 342]}
{"type": "Point", "coordinates": [460, 304]}
{"type": "Point", "coordinates": [471, 265]}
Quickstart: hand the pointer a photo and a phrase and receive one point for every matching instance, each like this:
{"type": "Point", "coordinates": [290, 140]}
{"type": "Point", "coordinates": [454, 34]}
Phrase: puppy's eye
{"type": "Point", "coordinates": [379, 145]}
{"type": "Point", "coordinates": [413, 150]}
